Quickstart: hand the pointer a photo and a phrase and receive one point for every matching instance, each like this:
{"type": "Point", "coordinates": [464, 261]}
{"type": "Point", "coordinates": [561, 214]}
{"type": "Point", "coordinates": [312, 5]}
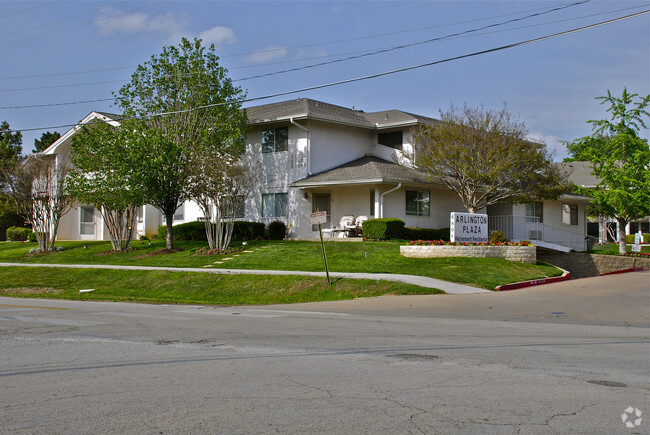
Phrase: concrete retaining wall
{"type": "Point", "coordinates": [584, 265]}
{"type": "Point", "coordinates": [525, 254]}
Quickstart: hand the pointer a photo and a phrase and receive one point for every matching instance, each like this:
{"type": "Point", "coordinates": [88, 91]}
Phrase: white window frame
{"type": "Point", "coordinates": [273, 213]}
{"type": "Point", "coordinates": [86, 228]}
{"type": "Point", "coordinates": [570, 214]}
{"type": "Point", "coordinates": [267, 147]}
{"type": "Point", "coordinates": [418, 201]}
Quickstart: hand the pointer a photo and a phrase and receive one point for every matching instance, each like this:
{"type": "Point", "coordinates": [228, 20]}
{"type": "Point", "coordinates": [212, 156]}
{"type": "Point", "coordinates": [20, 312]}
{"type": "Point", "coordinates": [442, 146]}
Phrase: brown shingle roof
{"type": "Point", "coordinates": [366, 170]}
{"type": "Point", "coordinates": [312, 109]}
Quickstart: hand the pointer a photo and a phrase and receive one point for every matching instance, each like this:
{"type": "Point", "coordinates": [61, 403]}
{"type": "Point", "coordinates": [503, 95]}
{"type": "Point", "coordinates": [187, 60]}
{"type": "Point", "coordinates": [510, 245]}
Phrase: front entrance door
{"type": "Point", "coordinates": [321, 202]}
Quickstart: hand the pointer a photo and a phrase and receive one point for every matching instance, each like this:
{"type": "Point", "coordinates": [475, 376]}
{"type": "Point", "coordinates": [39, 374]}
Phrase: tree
{"type": "Point", "coordinates": [620, 158]}
{"type": "Point", "coordinates": [46, 140]}
{"type": "Point", "coordinates": [483, 156]}
{"type": "Point", "coordinates": [10, 147]}
{"type": "Point", "coordinates": [38, 188]}
{"type": "Point", "coordinates": [179, 102]}
{"type": "Point", "coordinates": [102, 176]}
{"type": "Point", "coordinates": [220, 185]}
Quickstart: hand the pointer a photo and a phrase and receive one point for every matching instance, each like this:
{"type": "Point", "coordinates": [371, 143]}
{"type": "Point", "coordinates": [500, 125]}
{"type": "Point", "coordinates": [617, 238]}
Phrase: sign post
{"type": "Point", "coordinates": [320, 217]}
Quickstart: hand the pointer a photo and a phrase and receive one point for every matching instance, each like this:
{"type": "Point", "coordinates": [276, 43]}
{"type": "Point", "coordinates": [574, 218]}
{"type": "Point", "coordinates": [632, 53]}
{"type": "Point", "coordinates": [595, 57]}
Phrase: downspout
{"type": "Point", "coordinates": [308, 143]}
{"type": "Point", "coordinates": [381, 199]}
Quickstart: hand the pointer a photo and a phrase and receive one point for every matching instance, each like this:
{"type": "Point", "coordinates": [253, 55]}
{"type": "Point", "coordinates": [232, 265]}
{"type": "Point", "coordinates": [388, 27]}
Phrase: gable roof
{"type": "Point", "coordinates": [366, 170]}
{"type": "Point", "coordinates": [306, 108]}
{"type": "Point", "coordinates": [111, 118]}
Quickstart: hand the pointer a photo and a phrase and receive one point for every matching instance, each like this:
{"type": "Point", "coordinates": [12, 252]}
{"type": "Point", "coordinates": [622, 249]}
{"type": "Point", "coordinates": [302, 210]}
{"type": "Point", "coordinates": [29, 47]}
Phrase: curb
{"type": "Point", "coordinates": [566, 275]}
{"type": "Point", "coordinates": [616, 272]}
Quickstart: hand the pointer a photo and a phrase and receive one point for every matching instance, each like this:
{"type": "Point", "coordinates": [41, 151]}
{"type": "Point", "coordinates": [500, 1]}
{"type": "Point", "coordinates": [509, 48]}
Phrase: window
{"type": "Point", "coordinates": [227, 206]}
{"type": "Point", "coordinates": [569, 214]}
{"type": "Point", "coordinates": [372, 202]}
{"type": "Point", "coordinates": [275, 140]}
{"type": "Point", "coordinates": [275, 205]}
{"type": "Point", "coordinates": [87, 219]}
{"type": "Point", "coordinates": [417, 203]}
{"type": "Point", "coordinates": [179, 214]}
{"type": "Point", "coordinates": [141, 214]}
{"type": "Point", "coordinates": [535, 212]}
{"type": "Point", "coordinates": [393, 139]}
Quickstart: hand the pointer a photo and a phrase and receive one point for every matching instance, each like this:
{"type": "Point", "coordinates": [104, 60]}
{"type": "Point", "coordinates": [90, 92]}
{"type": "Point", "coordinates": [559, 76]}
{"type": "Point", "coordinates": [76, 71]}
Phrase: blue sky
{"type": "Point", "coordinates": [57, 52]}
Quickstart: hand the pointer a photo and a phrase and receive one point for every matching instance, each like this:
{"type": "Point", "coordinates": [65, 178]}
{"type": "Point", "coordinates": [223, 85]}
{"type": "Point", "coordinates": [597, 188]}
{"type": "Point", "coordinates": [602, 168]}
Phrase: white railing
{"type": "Point", "coordinates": [518, 228]}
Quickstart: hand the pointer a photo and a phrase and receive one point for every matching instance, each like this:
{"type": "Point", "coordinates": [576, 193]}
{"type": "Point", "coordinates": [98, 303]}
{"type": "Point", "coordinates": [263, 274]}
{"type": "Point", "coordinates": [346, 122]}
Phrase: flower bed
{"type": "Point", "coordinates": [521, 252]}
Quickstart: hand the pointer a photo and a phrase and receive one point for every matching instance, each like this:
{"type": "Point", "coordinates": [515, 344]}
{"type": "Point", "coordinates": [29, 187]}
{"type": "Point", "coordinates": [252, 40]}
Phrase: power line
{"type": "Point", "coordinates": [358, 56]}
{"type": "Point", "coordinates": [371, 76]}
{"type": "Point", "coordinates": [379, 35]}
{"type": "Point", "coordinates": [28, 9]}
{"type": "Point", "coordinates": [58, 21]}
{"type": "Point", "coordinates": [80, 25]}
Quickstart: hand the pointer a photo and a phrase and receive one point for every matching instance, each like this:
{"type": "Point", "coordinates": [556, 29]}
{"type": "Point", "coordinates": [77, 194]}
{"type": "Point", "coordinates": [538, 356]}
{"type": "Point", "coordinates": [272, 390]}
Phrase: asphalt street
{"type": "Point", "coordinates": [570, 357]}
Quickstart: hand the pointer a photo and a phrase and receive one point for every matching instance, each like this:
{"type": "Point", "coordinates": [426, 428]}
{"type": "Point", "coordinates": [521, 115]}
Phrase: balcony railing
{"type": "Point", "coordinates": [518, 228]}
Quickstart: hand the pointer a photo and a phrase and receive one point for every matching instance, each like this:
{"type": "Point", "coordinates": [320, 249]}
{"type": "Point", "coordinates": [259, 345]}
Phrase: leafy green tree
{"type": "Point", "coordinates": [102, 176]}
{"type": "Point", "coordinates": [483, 155]}
{"type": "Point", "coordinates": [180, 103]}
{"type": "Point", "coordinates": [47, 139]}
{"type": "Point", "coordinates": [620, 158]}
{"type": "Point", "coordinates": [10, 147]}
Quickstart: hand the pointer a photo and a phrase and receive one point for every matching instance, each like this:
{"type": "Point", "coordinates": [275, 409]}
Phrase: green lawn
{"type": "Point", "coordinates": [612, 248]}
{"type": "Point", "coordinates": [377, 257]}
{"type": "Point", "coordinates": [188, 287]}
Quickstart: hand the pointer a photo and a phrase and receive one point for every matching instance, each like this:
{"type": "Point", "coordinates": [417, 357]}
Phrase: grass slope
{"type": "Point", "coordinates": [371, 257]}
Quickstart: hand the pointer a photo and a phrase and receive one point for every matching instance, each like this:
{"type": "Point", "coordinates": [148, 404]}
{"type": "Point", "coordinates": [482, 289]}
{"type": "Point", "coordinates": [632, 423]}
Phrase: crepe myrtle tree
{"type": "Point", "coordinates": [178, 103]}
{"type": "Point", "coordinates": [102, 176]}
{"type": "Point", "coordinates": [483, 155]}
{"type": "Point", "coordinates": [38, 188]}
{"type": "Point", "coordinates": [620, 158]}
{"type": "Point", "coordinates": [220, 185]}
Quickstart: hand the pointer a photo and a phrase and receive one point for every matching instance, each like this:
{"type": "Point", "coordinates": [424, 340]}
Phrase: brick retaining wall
{"type": "Point", "coordinates": [584, 265]}
{"type": "Point", "coordinates": [525, 254]}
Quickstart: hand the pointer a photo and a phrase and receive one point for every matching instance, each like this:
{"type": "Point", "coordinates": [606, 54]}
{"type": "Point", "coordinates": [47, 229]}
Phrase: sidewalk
{"type": "Point", "coordinates": [422, 281]}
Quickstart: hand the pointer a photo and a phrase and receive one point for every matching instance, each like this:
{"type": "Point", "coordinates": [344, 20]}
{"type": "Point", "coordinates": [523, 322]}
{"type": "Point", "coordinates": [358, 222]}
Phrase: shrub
{"type": "Point", "coordinates": [162, 232]}
{"type": "Point", "coordinates": [497, 237]}
{"type": "Point", "coordinates": [243, 230]}
{"type": "Point", "coordinates": [629, 238]}
{"type": "Point", "coordinates": [155, 236]}
{"type": "Point", "coordinates": [31, 237]}
{"type": "Point", "coordinates": [15, 234]}
{"type": "Point", "coordinates": [426, 234]}
{"type": "Point", "coordinates": [383, 229]}
{"type": "Point", "coordinates": [190, 231]}
{"type": "Point", "coordinates": [276, 230]}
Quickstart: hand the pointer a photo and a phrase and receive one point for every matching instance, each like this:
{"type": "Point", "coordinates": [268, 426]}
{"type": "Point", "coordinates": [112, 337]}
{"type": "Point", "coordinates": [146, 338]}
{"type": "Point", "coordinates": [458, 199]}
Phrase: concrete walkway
{"type": "Point", "coordinates": [422, 281]}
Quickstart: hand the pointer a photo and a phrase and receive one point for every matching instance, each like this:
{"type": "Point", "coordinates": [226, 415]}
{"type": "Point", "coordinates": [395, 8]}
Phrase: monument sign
{"type": "Point", "coordinates": [468, 227]}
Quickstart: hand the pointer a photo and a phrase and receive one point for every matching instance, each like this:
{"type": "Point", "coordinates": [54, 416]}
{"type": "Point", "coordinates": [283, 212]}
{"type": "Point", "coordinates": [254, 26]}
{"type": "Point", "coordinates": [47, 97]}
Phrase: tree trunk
{"type": "Point", "coordinates": [622, 246]}
{"type": "Point", "coordinates": [169, 220]}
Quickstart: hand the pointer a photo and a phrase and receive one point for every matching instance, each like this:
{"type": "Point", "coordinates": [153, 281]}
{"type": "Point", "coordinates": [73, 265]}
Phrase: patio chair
{"type": "Point", "coordinates": [357, 228]}
{"type": "Point", "coordinates": [345, 222]}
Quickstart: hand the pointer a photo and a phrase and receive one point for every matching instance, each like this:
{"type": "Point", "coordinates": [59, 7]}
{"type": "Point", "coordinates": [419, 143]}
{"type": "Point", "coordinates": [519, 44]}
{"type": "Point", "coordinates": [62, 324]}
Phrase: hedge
{"type": "Point", "coordinates": [15, 234]}
{"type": "Point", "coordinates": [629, 238]}
{"type": "Point", "coordinates": [383, 229]}
{"type": "Point", "coordinates": [242, 230]}
{"type": "Point", "coordinates": [411, 233]}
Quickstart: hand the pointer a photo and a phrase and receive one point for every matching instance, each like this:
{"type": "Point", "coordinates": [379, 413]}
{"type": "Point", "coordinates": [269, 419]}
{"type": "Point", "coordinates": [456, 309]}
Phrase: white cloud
{"type": "Point", "coordinates": [218, 35]}
{"type": "Point", "coordinates": [553, 143]}
{"type": "Point", "coordinates": [269, 53]}
{"type": "Point", "coordinates": [112, 21]}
